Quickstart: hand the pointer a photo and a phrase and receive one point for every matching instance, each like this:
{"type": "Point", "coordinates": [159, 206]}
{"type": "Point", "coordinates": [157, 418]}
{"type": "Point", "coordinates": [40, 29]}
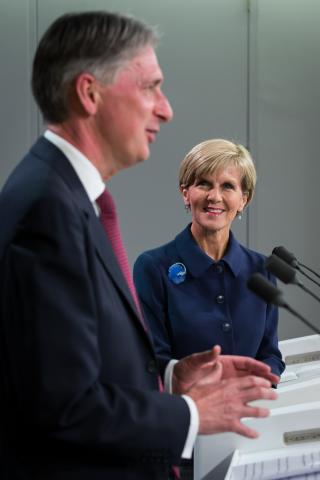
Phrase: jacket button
{"type": "Point", "coordinates": [226, 326]}
{"type": "Point", "coordinates": [152, 367]}
{"type": "Point", "coordinates": [220, 299]}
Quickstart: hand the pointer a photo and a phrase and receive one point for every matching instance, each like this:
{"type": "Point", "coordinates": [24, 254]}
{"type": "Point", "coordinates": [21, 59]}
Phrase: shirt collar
{"type": "Point", "coordinates": [86, 171]}
{"type": "Point", "coordinates": [234, 255]}
{"type": "Point", "coordinates": [197, 261]}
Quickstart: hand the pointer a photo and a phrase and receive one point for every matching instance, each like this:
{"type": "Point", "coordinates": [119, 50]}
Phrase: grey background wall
{"type": "Point", "coordinates": [236, 69]}
{"type": "Point", "coordinates": [284, 131]}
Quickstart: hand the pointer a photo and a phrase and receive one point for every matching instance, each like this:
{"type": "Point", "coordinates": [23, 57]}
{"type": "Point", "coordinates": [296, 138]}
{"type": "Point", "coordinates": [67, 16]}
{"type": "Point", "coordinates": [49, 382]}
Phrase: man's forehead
{"type": "Point", "coordinates": [144, 64]}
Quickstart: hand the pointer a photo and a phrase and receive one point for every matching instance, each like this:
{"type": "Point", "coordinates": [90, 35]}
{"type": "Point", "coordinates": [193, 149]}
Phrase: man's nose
{"type": "Point", "coordinates": [163, 108]}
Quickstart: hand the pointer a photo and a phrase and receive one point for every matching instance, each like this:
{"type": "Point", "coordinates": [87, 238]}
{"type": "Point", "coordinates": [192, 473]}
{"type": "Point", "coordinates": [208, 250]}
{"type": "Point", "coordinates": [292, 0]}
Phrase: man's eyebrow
{"type": "Point", "coordinates": [157, 82]}
{"type": "Point", "coordinates": [153, 81]}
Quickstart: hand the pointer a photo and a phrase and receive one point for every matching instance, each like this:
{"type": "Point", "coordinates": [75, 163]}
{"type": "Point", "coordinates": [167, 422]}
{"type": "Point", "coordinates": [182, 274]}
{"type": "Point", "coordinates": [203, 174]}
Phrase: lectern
{"type": "Point", "coordinates": [294, 421]}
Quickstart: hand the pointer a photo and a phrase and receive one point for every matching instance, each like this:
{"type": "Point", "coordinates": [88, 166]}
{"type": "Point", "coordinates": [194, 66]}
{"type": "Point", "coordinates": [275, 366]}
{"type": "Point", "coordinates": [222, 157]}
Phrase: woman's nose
{"type": "Point", "coordinates": [214, 195]}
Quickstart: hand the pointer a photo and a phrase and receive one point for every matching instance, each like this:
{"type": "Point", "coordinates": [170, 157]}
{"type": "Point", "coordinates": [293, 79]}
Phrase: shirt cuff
{"type": "Point", "coordinates": [193, 428]}
{"type": "Point", "coordinates": [168, 376]}
{"type": "Point", "coordinates": [194, 414]}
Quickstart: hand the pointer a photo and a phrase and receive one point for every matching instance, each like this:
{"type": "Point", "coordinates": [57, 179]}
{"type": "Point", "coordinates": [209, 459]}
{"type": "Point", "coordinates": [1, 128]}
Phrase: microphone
{"type": "Point", "coordinates": [271, 294]}
{"type": "Point", "coordinates": [286, 256]}
{"type": "Point", "coordinates": [266, 290]}
{"type": "Point", "coordinates": [289, 258]}
{"type": "Point", "coordinates": [285, 273]}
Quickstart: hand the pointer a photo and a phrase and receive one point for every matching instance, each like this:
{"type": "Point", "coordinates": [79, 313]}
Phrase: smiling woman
{"type": "Point", "coordinates": [193, 289]}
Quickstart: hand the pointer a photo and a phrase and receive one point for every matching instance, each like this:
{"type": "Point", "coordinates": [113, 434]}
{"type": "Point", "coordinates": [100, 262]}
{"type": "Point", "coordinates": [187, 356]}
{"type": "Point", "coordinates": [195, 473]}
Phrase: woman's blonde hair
{"type": "Point", "coordinates": [212, 155]}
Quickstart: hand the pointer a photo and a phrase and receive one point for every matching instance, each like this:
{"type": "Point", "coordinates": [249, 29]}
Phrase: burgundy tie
{"type": "Point", "coordinates": [109, 220]}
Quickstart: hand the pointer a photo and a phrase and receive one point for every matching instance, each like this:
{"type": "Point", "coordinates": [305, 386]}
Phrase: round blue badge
{"type": "Point", "coordinates": [177, 273]}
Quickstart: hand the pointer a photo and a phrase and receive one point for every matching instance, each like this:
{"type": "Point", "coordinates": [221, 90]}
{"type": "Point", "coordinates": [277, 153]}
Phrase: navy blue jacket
{"type": "Point", "coordinates": [211, 306]}
{"type": "Point", "coordinates": [79, 393]}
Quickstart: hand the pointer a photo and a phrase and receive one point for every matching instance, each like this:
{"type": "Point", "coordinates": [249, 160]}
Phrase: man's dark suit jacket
{"type": "Point", "coordinates": [79, 379]}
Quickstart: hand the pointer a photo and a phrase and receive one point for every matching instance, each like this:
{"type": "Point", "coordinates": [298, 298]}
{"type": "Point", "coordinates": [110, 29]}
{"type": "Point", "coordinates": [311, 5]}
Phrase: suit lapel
{"type": "Point", "coordinates": [51, 155]}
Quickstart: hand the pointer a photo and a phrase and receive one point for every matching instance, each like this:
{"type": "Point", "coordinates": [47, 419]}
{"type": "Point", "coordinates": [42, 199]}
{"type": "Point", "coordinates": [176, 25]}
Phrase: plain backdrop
{"type": "Point", "coordinates": [238, 69]}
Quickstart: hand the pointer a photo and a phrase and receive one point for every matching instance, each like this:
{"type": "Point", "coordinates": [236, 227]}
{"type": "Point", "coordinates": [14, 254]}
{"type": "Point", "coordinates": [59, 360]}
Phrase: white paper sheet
{"type": "Point", "coordinates": [302, 465]}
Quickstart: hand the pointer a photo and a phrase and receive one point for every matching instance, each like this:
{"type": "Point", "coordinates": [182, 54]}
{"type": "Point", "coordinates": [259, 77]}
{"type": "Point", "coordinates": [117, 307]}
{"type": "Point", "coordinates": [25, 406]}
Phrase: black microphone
{"type": "Point", "coordinates": [289, 257]}
{"type": "Point", "coordinates": [271, 294]}
{"type": "Point", "coordinates": [285, 273]}
{"type": "Point", "coordinates": [286, 256]}
{"type": "Point", "coordinates": [266, 290]}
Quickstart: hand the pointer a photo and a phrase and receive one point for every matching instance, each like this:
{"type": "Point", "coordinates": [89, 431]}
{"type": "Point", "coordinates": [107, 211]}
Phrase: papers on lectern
{"type": "Point", "coordinates": [296, 464]}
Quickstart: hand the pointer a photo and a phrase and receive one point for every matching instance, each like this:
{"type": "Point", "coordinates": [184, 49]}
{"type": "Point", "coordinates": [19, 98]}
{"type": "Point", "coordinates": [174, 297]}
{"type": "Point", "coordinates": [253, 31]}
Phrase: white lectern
{"type": "Point", "coordinates": [295, 416]}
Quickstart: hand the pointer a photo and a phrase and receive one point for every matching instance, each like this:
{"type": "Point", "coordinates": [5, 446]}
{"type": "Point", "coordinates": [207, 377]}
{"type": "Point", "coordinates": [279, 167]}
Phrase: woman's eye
{"type": "Point", "coordinates": [203, 183]}
{"type": "Point", "coordinates": [228, 186]}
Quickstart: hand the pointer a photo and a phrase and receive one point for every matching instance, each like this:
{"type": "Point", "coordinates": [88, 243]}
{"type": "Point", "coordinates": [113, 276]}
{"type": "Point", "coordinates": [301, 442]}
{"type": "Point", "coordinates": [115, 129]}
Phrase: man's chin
{"type": "Point", "coordinates": [136, 160]}
{"type": "Point", "coordinates": [144, 156]}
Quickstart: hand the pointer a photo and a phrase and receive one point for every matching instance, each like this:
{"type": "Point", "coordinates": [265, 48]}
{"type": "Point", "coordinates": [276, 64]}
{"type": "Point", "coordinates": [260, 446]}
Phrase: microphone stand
{"type": "Point", "coordinates": [300, 317]}
{"type": "Point", "coordinates": [308, 276]}
{"type": "Point", "coordinates": [271, 294]}
{"type": "Point", "coordinates": [310, 270]}
{"type": "Point", "coordinates": [309, 291]}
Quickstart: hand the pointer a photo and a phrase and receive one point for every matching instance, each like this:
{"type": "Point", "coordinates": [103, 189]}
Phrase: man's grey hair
{"type": "Point", "coordinates": [99, 43]}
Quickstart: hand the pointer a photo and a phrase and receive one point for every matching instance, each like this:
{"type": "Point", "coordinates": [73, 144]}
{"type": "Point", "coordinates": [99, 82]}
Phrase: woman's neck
{"type": "Point", "coordinates": [214, 244]}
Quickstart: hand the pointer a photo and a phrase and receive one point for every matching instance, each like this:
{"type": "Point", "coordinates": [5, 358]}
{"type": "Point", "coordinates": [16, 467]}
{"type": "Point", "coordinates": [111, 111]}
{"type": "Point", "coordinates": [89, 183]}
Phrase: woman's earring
{"type": "Point", "coordinates": [239, 215]}
{"type": "Point", "coordinates": [187, 207]}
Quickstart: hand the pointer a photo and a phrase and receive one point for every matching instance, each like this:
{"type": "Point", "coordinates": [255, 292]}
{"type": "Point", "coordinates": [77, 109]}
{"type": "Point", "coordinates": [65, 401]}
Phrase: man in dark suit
{"type": "Point", "coordinates": [79, 378]}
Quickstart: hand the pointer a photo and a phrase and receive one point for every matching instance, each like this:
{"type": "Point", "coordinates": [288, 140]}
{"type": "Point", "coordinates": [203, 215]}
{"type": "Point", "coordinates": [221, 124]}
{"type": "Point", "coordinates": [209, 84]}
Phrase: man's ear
{"type": "Point", "coordinates": [87, 92]}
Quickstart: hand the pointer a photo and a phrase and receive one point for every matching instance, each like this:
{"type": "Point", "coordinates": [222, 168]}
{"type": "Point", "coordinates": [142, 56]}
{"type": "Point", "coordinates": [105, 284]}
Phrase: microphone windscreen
{"type": "Point", "coordinates": [280, 269]}
{"type": "Point", "coordinates": [265, 289]}
{"type": "Point", "coordinates": [286, 256]}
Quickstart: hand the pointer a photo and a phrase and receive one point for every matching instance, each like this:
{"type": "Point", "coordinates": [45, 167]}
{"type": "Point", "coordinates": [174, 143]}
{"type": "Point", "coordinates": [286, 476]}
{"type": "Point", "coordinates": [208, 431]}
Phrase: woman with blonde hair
{"type": "Point", "coordinates": [193, 290]}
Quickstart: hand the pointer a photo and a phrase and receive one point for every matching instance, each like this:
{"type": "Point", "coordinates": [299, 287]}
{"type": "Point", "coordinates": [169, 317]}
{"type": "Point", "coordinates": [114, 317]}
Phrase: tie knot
{"type": "Point", "coordinates": [106, 204]}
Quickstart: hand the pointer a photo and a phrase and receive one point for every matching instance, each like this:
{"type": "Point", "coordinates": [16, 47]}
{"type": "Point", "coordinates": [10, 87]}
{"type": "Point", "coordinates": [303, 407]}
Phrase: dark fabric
{"type": "Point", "coordinates": [109, 220]}
{"type": "Point", "coordinates": [211, 306]}
{"type": "Point", "coordinates": [79, 377]}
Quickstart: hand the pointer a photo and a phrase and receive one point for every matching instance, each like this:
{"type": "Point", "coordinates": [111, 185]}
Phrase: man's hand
{"type": "Point", "coordinates": [221, 406]}
{"type": "Point", "coordinates": [222, 386]}
{"type": "Point", "coordinates": [200, 367]}
{"type": "Point", "coordinates": [210, 367]}
{"type": "Point", "coordinates": [237, 366]}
